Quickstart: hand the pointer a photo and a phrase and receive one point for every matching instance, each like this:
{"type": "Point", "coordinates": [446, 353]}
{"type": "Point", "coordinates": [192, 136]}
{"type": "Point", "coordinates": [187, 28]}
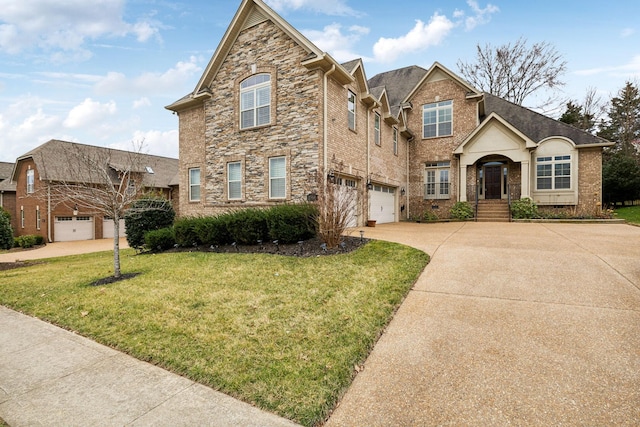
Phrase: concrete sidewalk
{"type": "Point", "coordinates": [57, 249]}
{"type": "Point", "coordinates": [509, 324]}
{"type": "Point", "coordinates": [52, 377]}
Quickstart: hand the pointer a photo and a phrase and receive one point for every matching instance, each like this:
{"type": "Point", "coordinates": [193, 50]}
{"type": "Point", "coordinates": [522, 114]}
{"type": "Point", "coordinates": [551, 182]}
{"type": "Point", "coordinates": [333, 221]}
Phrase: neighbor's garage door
{"type": "Point", "coordinates": [107, 228]}
{"type": "Point", "coordinates": [68, 228]}
{"type": "Point", "coordinates": [383, 204]}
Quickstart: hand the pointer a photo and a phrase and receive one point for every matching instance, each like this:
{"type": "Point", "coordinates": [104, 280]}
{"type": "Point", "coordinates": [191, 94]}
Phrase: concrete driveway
{"type": "Point", "coordinates": [510, 324]}
{"type": "Point", "coordinates": [63, 249]}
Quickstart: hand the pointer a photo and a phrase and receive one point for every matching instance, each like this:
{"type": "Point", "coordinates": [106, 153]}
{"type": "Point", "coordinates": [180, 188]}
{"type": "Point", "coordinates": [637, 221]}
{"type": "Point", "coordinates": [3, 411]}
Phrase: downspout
{"type": "Point", "coordinates": [49, 213]}
{"type": "Point", "coordinates": [407, 185]}
{"type": "Point", "coordinates": [325, 144]}
{"type": "Point", "coordinates": [369, 110]}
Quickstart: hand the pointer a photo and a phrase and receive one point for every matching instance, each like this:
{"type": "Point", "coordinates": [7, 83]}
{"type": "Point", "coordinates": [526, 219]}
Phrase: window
{"type": "Point", "coordinates": [351, 107]}
{"type": "Point", "coordinates": [553, 173]}
{"type": "Point", "coordinates": [436, 180]}
{"type": "Point", "coordinates": [194, 185]}
{"type": "Point", "coordinates": [255, 101]}
{"type": "Point", "coordinates": [234, 180]}
{"type": "Point", "coordinates": [38, 219]}
{"type": "Point", "coordinates": [437, 119]}
{"type": "Point", "coordinates": [277, 178]}
{"type": "Point", "coordinates": [395, 141]}
{"type": "Point", "coordinates": [22, 216]}
{"type": "Point", "coordinates": [376, 129]}
{"type": "Point", "coordinates": [30, 181]}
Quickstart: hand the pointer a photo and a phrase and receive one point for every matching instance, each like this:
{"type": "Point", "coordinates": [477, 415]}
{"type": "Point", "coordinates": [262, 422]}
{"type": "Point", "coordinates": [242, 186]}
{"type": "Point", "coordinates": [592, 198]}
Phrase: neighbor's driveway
{"type": "Point", "coordinates": [62, 249]}
{"type": "Point", "coordinates": [509, 324]}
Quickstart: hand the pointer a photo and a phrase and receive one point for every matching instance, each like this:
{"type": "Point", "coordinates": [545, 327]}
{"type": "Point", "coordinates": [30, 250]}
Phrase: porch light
{"type": "Point", "coordinates": [75, 210]}
{"type": "Point", "coordinates": [331, 176]}
{"type": "Point", "coordinates": [369, 185]}
{"type": "Point", "coordinates": [402, 191]}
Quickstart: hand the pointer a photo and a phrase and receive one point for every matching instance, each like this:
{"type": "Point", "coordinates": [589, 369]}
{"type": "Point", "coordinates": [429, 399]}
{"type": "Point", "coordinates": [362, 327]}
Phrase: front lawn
{"type": "Point", "coordinates": [283, 333]}
{"type": "Point", "coordinates": [629, 213]}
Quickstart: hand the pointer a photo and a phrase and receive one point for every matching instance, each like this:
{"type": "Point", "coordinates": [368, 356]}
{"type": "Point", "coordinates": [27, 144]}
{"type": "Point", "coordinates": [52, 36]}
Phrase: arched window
{"type": "Point", "coordinates": [255, 101]}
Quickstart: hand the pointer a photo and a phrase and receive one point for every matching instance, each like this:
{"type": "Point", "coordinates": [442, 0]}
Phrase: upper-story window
{"type": "Point", "coordinates": [255, 101]}
{"type": "Point", "coordinates": [351, 110]}
{"type": "Point", "coordinates": [437, 119]}
{"type": "Point", "coordinates": [31, 181]}
{"type": "Point", "coordinates": [194, 184]}
{"type": "Point", "coordinates": [376, 129]}
{"type": "Point", "coordinates": [553, 172]}
{"type": "Point", "coordinates": [395, 141]}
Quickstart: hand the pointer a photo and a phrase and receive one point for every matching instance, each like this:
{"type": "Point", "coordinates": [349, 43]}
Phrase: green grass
{"type": "Point", "coordinates": [629, 213]}
{"type": "Point", "coordinates": [283, 333]}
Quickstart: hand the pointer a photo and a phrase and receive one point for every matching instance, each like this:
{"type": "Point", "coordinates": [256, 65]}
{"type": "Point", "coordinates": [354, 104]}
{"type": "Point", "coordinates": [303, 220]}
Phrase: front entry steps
{"type": "Point", "coordinates": [493, 211]}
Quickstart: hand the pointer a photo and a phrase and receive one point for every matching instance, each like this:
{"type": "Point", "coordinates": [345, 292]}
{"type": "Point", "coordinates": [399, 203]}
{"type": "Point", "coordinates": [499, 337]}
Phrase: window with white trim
{"type": "Point", "coordinates": [351, 110]}
{"type": "Point", "coordinates": [277, 177]}
{"type": "Point", "coordinates": [22, 216]}
{"type": "Point", "coordinates": [437, 119]}
{"type": "Point", "coordinates": [194, 184]}
{"type": "Point", "coordinates": [553, 172]}
{"type": "Point", "coordinates": [234, 180]}
{"type": "Point", "coordinates": [376, 129]}
{"type": "Point", "coordinates": [395, 141]}
{"type": "Point", "coordinates": [255, 101]}
{"type": "Point", "coordinates": [31, 181]}
{"type": "Point", "coordinates": [38, 218]}
{"type": "Point", "coordinates": [436, 180]}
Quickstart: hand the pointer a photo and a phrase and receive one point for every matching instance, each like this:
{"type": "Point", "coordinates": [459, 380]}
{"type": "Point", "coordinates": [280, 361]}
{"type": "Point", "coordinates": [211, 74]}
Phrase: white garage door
{"type": "Point", "coordinates": [107, 228]}
{"type": "Point", "coordinates": [382, 204]}
{"type": "Point", "coordinates": [68, 228]}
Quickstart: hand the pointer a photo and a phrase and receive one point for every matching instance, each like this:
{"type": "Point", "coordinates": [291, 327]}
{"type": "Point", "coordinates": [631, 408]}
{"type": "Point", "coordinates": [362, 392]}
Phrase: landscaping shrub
{"type": "Point", "coordinates": [429, 216]}
{"type": "Point", "coordinates": [146, 214]}
{"type": "Point", "coordinates": [524, 208]}
{"type": "Point", "coordinates": [213, 230]}
{"type": "Point", "coordinates": [292, 223]}
{"type": "Point", "coordinates": [159, 240]}
{"type": "Point", "coordinates": [6, 232]}
{"type": "Point", "coordinates": [248, 226]}
{"type": "Point", "coordinates": [184, 231]}
{"type": "Point", "coordinates": [462, 210]}
{"type": "Point", "coordinates": [28, 241]}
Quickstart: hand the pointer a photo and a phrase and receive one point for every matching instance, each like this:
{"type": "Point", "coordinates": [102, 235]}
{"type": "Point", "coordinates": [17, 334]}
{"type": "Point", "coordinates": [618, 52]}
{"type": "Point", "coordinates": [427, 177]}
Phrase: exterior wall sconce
{"type": "Point", "coordinates": [331, 176]}
{"type": "Point", "coordinates": [369, 185]}
{"type": "Point", "coordinates": [75, 210]}
{"type": "Point", "coordinates": [402, 191]}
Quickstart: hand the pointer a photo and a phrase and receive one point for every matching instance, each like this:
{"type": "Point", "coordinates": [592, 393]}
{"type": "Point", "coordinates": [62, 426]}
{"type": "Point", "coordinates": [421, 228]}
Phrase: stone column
{"type": "Point", "coordinates": [525, 179]}
{"type": "Point", "coordinates": [462, 182]}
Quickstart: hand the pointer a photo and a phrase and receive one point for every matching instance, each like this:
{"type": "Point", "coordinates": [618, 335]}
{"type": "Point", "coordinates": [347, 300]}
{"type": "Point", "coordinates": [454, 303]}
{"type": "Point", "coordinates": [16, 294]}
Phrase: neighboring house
{"type": "Point", "coordinates": [8, 191]}
{"type": "Point", "coordinates": [272, 110]}
{"type": "Point", "coordinates": [45, 167]}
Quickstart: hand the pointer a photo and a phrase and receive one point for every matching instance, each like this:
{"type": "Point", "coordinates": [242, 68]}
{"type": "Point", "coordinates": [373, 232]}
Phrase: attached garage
{"type": "Point", "coordinates": [348, 197]}
{"type": "Point", "coordinates": [107, 228]}
{"type": "Point", "coordinates": [382, 204]}
{"type": "Point", "coordinates": [69, 228]}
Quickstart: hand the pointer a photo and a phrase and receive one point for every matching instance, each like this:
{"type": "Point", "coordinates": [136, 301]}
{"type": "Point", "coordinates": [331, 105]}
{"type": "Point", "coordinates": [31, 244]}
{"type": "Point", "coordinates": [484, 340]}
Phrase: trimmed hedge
{"type": "Point", "coordinates": [146, 214]}
{"type": "Point", "coordinates": [159, 240]}
{"type": "Point", "coordinates": [6, 232]}
{"type": "Point", "coordinates": [285, 223]}
{"type": "Point", "coordinates": [28, 241]}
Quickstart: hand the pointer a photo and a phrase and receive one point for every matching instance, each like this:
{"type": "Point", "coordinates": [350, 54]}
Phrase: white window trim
{"type": "Point", "coordinates": [395, 141]}
{"type": "Point", "coordinates": [31, 181]}
{"type": "Point", "coordinates": [376, 129]}
{"type": "Point", "coordinates": [441, 188]}
{"type": "Point", "coordinates": [238, 181]}
{"type": "Point", "coordinates": [191, 185]}
{"type": "Point", "coordinates": [273, 178]}
{"type": "Point", "coordinates": [438, 107]}
{"type": "Point", "coordinates": [351, 112]}
{"type": "Point", "coordinates": [255, 88]}
{"type": "Point", "coordinates": [552, 161]}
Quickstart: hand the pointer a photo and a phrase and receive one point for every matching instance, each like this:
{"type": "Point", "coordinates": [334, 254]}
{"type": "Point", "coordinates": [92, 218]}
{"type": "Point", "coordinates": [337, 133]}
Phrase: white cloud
{"type": "Point", "coordinates": [630, 70]}
{"type": "Point", "coordinates": [328, 7]}
{"type": "Point", "coordinates": [148, 83]}
{"type": "Point", "coordinates": [66, 25]}
{"type": "Point", "coordinates": [141, 102]}
{"type": "Point", "coordinates": [332, 39]}
{"type": "Point", "coordinates": [154, 142]}
{"type": "Point", "coordinates": [627, 32]}
{"type": "Point", "coordinates": [89, 113]}
{"type": "Point", "coordinates": [419, 38]}
{"type": "Point", "coordinates": [480, 16]}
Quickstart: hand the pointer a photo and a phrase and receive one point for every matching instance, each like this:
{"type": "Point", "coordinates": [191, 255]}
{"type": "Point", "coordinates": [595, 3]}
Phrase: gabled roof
{"type": "Point", "coordinates": [6, 170]}
{"type": "Point", "coordinates": [439, 71]}
{"type": "Point", "coordinates": [398, 84]}
{"type": "Point", "coordinates": [534, 125]}
{"type": "Point", "coordinates": [249, 14]}
{"type": "Point", "coordinates": [52, 159]}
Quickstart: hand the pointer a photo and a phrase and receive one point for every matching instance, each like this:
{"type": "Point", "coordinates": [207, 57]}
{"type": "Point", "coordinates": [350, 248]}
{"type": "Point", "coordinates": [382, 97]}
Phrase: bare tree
{"type": "Point", "coordinates": [101, 181]}
{"type": "Point", "coordinates": [514, 71]}
{"type": "Point", "coordinates": [585, 115]}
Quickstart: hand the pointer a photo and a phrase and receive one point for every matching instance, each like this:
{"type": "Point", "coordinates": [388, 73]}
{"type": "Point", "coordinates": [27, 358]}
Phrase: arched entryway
{"type": "Point", "coordinates": [493, 177]}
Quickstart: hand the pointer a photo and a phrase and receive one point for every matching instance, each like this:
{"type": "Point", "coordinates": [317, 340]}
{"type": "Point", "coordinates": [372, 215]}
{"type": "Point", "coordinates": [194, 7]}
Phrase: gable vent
{"type": "Point", "coordinates": [255, 18]}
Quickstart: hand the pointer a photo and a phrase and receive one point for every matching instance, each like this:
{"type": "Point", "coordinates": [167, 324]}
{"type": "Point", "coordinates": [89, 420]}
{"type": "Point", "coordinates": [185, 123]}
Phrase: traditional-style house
{"type": "Point", "coordinates": [272, 111]}
{"type": "Point", "coordinates": [8, 191]}
{"type": "Point", "coordinates": [41, 210]}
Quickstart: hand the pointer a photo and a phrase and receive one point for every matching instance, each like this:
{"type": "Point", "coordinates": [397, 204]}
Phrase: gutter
{"type": "Point", "coordinates": [49, 213]}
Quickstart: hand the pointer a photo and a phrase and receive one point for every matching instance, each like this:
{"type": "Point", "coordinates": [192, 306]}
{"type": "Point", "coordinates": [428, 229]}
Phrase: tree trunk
{"type": "Point", "coordinates": [116, 246]}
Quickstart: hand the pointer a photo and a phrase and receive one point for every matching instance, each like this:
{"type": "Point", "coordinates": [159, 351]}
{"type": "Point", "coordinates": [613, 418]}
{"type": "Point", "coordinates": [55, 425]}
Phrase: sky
{"type": "Point", "coordinates": [100, 72]}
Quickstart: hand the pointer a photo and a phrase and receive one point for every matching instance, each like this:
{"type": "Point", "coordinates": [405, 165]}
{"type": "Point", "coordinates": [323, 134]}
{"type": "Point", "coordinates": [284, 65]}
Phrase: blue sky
{"type": "Point", "coordinates": [100, 72]}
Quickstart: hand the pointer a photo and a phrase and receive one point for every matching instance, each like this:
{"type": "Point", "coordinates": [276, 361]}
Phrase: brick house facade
{"type": "Point", "coordinates": [272, 112]}
{"type": "Point", "coordinates": [8, 192]}
{"type": "Point", "coordinates": [39, 212]}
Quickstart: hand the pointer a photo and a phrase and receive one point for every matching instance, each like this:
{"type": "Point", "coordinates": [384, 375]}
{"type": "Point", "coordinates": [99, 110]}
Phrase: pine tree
{"type": "Point", "coordinates": [623, 124]}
